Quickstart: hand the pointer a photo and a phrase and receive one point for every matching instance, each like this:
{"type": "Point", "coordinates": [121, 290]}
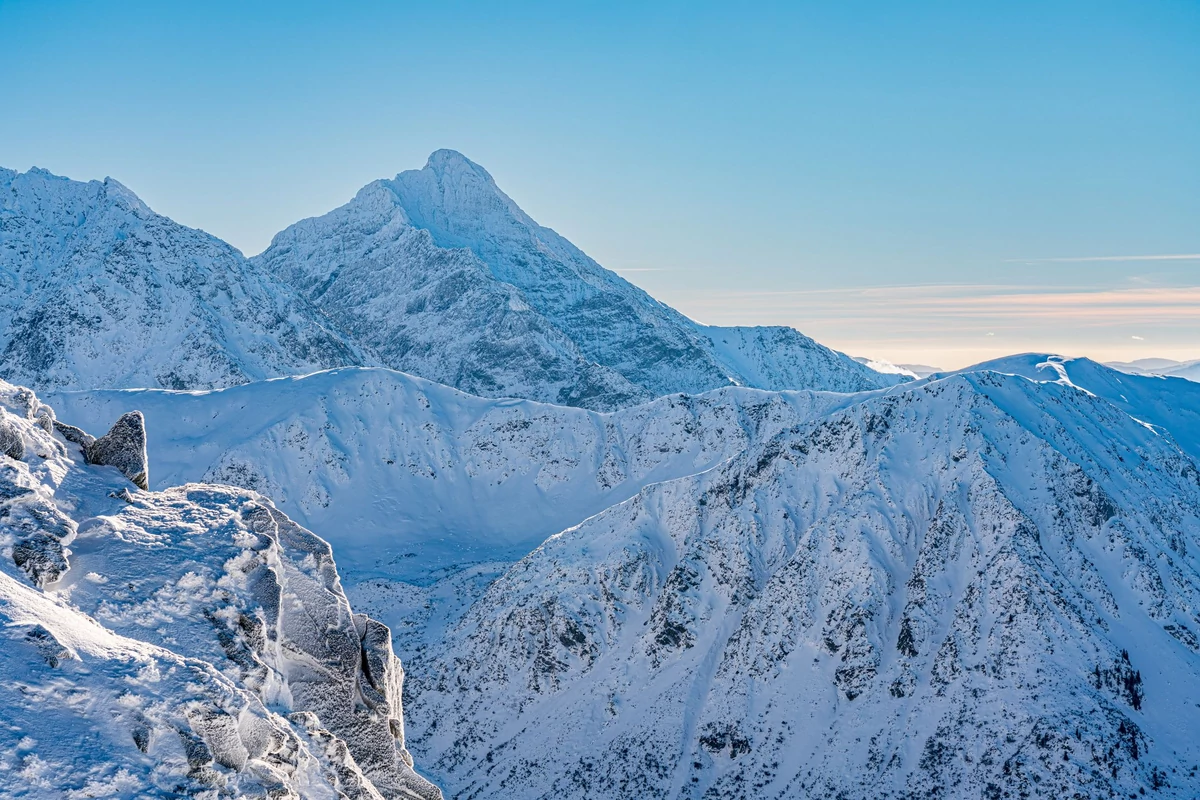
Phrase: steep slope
{"type": "Point", "coordinates": [96, 290]}
{"type": "Point", "coordinates": [409, 479]}
{"type": "Point", "coordinates": [193, 642]}
{"type": "Point", "coordinates": [441, 274]}
{"type": "Point", "coordinates": [1167, 402]}
{"type": "Point", "coordinates": [978, 586]}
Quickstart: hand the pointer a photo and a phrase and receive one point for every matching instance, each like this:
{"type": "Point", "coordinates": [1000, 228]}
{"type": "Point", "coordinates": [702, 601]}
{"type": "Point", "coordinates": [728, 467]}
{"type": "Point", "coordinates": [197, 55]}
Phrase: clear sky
{"type": "Point", "coordinates": [929, 182]}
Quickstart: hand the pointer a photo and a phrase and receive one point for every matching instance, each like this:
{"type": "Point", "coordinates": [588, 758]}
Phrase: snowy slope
{"type": "Point", "coordinates": [96, 290]}
{"type": "Point", "coordinates": [918, 568]}
{"type": "Point", "coordinates": [441, 274]}
{"type": "Point", "coordinates": [191, 642]}
{"type": "Point", "coordinates": [979, 586]}
{"type": "Point", "coordinates": [406, 477]}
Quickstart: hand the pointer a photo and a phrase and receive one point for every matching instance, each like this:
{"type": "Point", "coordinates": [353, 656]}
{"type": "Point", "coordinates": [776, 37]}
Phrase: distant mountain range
{"type": "Point", "coordinates": [436, 273]}
{"type": "Point", "coordinates": [1160, 366]}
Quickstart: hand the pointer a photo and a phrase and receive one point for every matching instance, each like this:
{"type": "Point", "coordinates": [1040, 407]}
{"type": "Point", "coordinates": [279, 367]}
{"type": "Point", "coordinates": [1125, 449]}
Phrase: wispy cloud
{"type": "Point", "coordinates": [1081, 259]}
{"type": "Point", "coordinates": [963, 323]}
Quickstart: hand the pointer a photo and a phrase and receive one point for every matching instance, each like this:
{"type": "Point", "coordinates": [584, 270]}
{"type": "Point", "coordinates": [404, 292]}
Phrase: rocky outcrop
{"type": "Point", "coordinates": [193, 613]}
{"type": "Point", "coordinates": [123, 447]}
{"type": "Point", "coordinates": [10, 441]}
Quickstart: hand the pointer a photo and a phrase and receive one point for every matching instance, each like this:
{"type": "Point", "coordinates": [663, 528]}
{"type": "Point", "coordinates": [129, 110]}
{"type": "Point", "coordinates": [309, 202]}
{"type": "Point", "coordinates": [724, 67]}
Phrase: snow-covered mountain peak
{"type": "Point", "coordinates": [96, 289]}
{"type": "Point", "coordinates": [441, 274]}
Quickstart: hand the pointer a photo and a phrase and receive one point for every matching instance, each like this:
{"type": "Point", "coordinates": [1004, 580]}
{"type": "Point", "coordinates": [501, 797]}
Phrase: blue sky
{"type": "Point", "coordinates": [915, 181]}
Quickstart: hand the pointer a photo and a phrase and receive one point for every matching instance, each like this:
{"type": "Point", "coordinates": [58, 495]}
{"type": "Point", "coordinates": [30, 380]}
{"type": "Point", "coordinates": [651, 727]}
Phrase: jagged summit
{"type": "Point", "coordinates": [435, 271]}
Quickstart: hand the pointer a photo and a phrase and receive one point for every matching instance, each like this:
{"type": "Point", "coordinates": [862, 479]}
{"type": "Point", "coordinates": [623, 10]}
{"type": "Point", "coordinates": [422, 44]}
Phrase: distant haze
{"type": "Point", "coordinates": [921, 183]}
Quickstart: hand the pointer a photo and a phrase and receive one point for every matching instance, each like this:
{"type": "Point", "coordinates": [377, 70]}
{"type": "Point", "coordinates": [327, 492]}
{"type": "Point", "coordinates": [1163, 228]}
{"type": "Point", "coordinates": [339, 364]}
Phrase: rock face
{"type": "Point", "coordinates": [192, 642]}
{"type": "Point", "coordinates": [123, 447]}
{"type": "Point", "coordinates": [96, 290]}
{"type": "Point", "coordinates": [442, 275]}
{"type": "Point", "coordinates": [981, 586]}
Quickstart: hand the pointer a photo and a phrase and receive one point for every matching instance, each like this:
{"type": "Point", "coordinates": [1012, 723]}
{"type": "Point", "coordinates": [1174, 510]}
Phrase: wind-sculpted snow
{"type": "Point", "coordinates": [189, 642]}
{"type": "Point", "coordinates": [980, 586]}
{"type": "Point", "coordinates": [98, 291]}
{"type": "Point", "coordinates": [442, 275]}
{"type": "Point", "coordinates": [409, 479]}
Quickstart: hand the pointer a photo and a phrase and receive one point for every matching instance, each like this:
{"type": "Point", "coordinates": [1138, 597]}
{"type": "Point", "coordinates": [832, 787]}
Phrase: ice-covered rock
{"type": "Point", "coordinates": [123, 447]}
{"type": "Point", "coordinates": [11, 444]}
{"type": "Point", "coordinates": [192, 642]}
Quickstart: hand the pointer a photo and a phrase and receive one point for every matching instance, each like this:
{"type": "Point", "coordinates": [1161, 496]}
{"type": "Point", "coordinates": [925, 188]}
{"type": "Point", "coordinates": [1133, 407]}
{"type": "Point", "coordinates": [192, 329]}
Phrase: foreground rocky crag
{"type": "Point", "coordinates": [981, 586]}
{"type": "Point", "coordinates": [191, 642]}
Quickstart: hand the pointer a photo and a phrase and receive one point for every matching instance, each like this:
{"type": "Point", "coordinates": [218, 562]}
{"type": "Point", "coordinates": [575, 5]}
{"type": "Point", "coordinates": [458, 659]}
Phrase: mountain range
{"type": "Point", "coordinates": [436, 273]}
{"type": "Point", "coordinates": [622, 554]}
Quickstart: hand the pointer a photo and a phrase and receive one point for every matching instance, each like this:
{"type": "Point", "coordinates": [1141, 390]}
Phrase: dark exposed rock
{"type": "Point", "coordinates": [47, 646]}
{"type": "Point", "coordinates": [124, 447]}
{"type": "Point", "coordinates": [41, 556]}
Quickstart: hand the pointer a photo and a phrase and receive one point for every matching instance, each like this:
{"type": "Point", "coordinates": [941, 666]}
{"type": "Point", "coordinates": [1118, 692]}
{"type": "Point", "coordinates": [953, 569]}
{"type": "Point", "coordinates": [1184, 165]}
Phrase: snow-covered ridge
{"type": "Point", "coordinates": [406, 477]}
{"type": "Point", "coordinates": [189, 642]}
{"type": "Point", "coordinates": [950, 552]}
{"type": "Point", "coordinates": [975, 586]}
{"type": "Point", "coordinates": [435, 272]}
{"type": "Point", "coordinates": [1170, 403]}
{"type": "Point", "coordinates": [98, 291]}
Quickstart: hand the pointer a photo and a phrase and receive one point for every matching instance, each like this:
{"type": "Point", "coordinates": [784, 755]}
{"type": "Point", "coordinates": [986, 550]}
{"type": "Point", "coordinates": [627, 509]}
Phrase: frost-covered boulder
{"type": "Point", "coordinates": [191, 642]}
{"type": "Point", "coordinates": [10, 441]}
{"type": "Point", "coordinates": [124, 447]}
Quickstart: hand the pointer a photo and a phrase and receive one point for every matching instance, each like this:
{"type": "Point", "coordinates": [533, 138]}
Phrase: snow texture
{"type": "Point", "coordinates": [192, 642]}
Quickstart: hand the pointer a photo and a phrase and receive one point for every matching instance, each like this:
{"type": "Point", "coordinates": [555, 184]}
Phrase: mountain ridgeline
{"type": "Point", "coordinates": [436, 273]}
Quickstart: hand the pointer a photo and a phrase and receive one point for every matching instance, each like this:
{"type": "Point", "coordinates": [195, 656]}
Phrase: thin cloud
{"type": "Point", "coordinates": [1082, 259]}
